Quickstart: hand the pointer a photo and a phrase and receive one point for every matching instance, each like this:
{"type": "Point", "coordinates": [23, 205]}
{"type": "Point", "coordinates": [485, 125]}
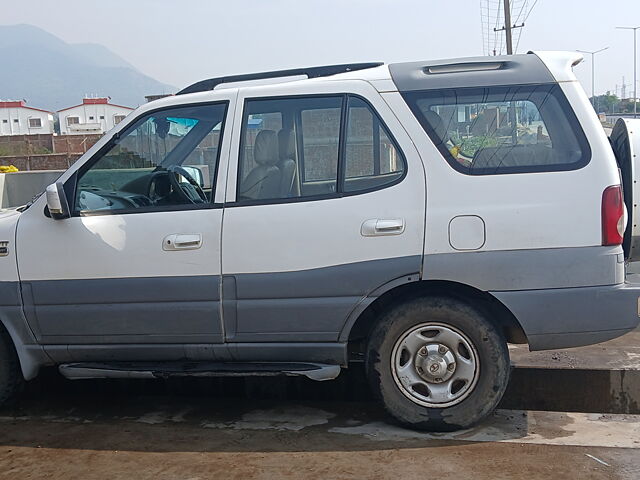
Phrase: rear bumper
{"type": "Point", "coordinates": [572, 317]}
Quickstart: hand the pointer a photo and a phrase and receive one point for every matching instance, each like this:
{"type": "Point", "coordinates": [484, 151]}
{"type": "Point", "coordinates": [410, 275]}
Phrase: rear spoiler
{"type": "Point", "coordinates": [560, 64]}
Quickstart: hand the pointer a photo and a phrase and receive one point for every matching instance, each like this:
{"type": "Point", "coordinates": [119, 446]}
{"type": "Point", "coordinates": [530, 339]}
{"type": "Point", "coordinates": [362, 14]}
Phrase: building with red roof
{"type": "Point", "coordinates": [16, 118]}
{"type": "Point", "coordinates": [93, 115]}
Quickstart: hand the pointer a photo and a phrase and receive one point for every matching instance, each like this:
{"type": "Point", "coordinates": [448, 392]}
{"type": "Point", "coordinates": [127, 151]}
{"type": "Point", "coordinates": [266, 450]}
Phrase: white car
{"type": "Point", "coordinates": [412, 216]}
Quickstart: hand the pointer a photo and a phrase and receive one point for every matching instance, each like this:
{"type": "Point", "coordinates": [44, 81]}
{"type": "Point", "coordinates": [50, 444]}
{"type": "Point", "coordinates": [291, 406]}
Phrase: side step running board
{"type": "Point", "coordinates": [88, 370]}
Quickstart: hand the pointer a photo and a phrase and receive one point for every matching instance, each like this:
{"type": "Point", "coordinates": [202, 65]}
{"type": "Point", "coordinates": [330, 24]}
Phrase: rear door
{"type": "Point", "coordinates": [625, 140]}
{"type": "Point", "coordinates": [325, 205]}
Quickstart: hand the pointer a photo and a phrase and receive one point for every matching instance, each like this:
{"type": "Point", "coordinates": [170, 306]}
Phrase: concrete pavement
{"type": "Point", "coordinates": [290, 428]}
{"type": "Point", "coordinates": [595, 378]}
{"type": "Point", "coordinates": [93, 436]}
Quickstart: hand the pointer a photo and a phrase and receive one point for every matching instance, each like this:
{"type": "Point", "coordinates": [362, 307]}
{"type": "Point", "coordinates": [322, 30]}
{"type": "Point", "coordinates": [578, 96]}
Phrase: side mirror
{"type": "Point", "coordinates": [57, 201]}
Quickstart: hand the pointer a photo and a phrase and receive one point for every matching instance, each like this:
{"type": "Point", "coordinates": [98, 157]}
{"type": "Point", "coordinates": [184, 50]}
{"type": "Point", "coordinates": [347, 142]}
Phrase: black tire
{"type": "Point", "coordinates": [491, 353]}
{"type": "Point", "coordinates": [11, 379]}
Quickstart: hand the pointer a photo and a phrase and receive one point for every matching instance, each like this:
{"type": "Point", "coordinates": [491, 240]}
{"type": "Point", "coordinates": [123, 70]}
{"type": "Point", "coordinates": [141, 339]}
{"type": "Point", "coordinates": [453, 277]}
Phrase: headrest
{"type": "Point", "coordinates": [265, 148]}
{"type": "Point", "coordinates": [287, 144]}
{"type": "Point", "coordinates": [436, 123]}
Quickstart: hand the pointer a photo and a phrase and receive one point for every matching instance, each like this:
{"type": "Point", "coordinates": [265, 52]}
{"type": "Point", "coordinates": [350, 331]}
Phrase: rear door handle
{"type": "Point", "coordinates": [182, 241]}
{"type": "Point", "coordinates": [382, 226]}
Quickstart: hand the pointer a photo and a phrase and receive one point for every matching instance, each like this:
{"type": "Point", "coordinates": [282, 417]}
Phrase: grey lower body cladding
{"type": "Point", "coordinates": [562, 297]}
{"type": "Point", "coordinates": [265, 315]}
{"type": "Point", "coordinates": [572, 317]}
{"type": "Point", "coordinates": [306, 305]}
{"type": "Point", "coordinates": [124, 310]}
{"type": "Point", "coordinates": [299, 306]}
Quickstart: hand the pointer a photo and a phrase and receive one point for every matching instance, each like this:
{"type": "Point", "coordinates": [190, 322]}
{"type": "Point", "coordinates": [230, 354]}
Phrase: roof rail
{"type": "Point", "coordinates": [310, 72]}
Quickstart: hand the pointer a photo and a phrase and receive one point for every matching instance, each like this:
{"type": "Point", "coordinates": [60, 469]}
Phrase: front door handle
{"type": "Point", "coordinates": [182, 241]}
{"type": "Point", "coordinates": [382, 226]}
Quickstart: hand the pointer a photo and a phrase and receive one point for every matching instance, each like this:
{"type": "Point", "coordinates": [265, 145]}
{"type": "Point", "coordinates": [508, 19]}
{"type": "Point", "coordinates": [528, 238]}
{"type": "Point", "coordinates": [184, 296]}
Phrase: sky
{"type": "Point", "coordinates": [182, 42]}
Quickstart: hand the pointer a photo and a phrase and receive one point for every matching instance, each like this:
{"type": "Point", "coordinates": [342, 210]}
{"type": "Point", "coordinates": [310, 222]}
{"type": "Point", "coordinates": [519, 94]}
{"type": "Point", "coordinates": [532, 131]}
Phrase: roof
{"type": "Point", "coordinates": [96, 101]}
{"type": "Point", "coordinates": [20, 104]}
{"type": "Point", "coordinates": [529, 68]}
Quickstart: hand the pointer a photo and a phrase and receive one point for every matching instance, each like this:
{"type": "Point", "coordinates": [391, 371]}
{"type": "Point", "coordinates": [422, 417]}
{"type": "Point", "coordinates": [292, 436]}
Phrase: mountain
{"type": "Point", "coordinates": [52, 74]}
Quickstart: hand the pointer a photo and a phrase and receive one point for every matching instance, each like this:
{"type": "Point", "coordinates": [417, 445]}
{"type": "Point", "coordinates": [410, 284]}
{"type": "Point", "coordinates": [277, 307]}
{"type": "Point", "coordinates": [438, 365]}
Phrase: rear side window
{"type": "Point", "coordinates": [371, 158]}
{"type": "Point", "coordinates": [497, 130]}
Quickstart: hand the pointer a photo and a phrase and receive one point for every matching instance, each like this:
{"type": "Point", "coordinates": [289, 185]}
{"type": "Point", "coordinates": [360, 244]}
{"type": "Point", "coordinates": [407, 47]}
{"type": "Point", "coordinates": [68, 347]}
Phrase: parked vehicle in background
{"type": "Point", "coordinates": [415, 217]}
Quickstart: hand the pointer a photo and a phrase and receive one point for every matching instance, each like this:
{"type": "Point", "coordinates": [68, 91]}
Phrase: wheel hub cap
{"type": "Point", "coordinates": [435, 365]}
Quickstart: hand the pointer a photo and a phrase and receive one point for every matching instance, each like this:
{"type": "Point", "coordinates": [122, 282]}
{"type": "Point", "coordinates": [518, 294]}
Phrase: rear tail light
{"type": "Point", "coordinates": [613, 221]}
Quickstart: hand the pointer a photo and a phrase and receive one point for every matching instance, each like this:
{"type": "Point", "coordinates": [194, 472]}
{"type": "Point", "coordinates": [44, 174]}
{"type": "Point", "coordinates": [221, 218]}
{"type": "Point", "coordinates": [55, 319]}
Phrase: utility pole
{"type": "Point", "coordinates": [508, 27]}
{"type": "Point", "coordinates": [635, 68]}
{"type": "Point", "coordinates": [593, 74]}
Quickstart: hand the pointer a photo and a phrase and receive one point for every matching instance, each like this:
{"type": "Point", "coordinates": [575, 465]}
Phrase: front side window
{"type": "Point", "coordinates": [502, 129]}
{"type": "Point", "coordinates": [294, 148]}
{"type": "Point", "coordinates": [165, 159]}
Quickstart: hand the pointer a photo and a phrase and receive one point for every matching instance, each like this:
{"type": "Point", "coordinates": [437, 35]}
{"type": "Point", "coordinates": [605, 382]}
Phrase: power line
{"type": "Point", "coordinates": [508, 27]}
{"type": "Point", "coordinates": [498, 33]}
{"type": "Point", "coordinates": [531, 10]}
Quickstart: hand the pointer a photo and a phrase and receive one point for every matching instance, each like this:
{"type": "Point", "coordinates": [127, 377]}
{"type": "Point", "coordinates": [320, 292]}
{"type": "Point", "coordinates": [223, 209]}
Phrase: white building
{"type": "Point", "coordinates": [18, 119]}
{"type": "Point", "coordinates": [94, 115]}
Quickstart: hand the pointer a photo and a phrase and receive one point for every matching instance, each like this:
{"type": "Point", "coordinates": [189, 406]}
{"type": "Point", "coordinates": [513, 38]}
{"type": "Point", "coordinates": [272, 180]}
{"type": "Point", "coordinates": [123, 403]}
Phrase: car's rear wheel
{"type": "Point", "coordinates": [11, 379]}
{"type": "Point", "coordinates": [437, 364]}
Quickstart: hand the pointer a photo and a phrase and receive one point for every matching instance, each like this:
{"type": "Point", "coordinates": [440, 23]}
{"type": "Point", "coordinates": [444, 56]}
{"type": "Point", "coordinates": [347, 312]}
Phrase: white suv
{"type": "Point", "coordinates": [414, 216]}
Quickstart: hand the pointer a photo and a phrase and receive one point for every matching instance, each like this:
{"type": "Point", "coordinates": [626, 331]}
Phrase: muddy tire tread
{"type": "Point", "coordinates": [489, 341]}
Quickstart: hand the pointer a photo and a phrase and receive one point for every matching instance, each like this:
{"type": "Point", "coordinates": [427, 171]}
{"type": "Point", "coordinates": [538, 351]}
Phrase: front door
{"type": "Point", "coordinates": [325, 205]}
{"type": "Point", "coordinates": [138, 262]}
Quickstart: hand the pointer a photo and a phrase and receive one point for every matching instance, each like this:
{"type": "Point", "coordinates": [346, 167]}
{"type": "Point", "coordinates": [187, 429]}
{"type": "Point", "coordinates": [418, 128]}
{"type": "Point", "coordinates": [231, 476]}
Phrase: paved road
{"type": "Point", "coordinates": [622, 353]}
{"type": "Point", "coordinates": [93, 431]}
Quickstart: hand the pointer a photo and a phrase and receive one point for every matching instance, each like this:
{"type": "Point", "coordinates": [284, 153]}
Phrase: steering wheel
{"type": "Point", "coordinates": [191, 192]}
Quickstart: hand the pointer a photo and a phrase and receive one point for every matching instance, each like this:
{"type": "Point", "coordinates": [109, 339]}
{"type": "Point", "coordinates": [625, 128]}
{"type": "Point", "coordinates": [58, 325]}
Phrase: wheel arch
{"type": "Point", "coordinates": [357, 329]}
{"type": "Point", "coordinates": [30, 355]}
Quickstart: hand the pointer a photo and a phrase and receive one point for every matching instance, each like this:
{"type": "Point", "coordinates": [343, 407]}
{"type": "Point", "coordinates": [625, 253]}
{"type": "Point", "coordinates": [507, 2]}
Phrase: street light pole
{"type": "Point", "coordinates": [635, 69]}
{"type": "Point", "coordinates": [593, 74]}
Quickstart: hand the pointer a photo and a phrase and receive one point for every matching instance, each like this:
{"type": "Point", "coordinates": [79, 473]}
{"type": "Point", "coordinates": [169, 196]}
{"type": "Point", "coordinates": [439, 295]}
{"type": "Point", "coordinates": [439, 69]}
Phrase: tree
{"type": "Point", "coordinates": [607, 103]}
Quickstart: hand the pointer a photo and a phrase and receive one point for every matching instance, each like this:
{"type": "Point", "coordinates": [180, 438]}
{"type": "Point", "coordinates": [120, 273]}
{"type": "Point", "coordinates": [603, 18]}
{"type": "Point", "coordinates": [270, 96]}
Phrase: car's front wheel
{"type": "Point", "coordinates": [437, 364]}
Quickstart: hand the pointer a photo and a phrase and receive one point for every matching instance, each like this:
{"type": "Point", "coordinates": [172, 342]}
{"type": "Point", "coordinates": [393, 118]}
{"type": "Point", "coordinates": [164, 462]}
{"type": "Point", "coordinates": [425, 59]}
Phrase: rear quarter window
{"type": "Point", "coordinates": [498, 130]}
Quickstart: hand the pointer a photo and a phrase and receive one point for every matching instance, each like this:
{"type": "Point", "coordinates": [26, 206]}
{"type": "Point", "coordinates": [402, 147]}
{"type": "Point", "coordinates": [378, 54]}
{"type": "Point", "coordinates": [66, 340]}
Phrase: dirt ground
{"type": "Point", "coordinates": [232, 430]}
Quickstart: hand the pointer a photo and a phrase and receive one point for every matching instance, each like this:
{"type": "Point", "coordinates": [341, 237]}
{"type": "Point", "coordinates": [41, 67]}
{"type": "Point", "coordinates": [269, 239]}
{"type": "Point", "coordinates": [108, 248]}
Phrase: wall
{"type": "Point", "coordinates": [24, 144]}
{"type": "Point", "coordinates": [19, 188]}
{"type": "Point", "coordinates": [8, 126]}
{"type": "Point", "coordinates": [40, 162]}
{"type": "Point", "coordinates": [74, 143]}
{"type": "Point", "coordinates": [31, 152]}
